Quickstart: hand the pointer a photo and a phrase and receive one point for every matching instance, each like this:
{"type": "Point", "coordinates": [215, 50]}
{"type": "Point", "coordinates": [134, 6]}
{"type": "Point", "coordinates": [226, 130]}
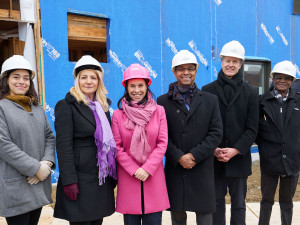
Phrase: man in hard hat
{"type": "Point", "coordinates": [278, 142]}
{"type": "Point", "coordinates": [238, 102]}
{"type": "Point", "coordinates": [194, 131]}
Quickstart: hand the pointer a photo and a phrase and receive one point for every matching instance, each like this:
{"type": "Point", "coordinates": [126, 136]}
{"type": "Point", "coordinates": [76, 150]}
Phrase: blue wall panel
{"type": "Point", "coordinates": [151, 32]}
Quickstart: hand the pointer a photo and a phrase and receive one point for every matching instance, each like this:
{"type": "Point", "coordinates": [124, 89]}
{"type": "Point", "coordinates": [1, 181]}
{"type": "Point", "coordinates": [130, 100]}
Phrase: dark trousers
{"type": "Point", "coordinates": [237, 189]}
{"type": "Point", "coordinates": [145, 219]}
{"type": "Point", "coordinates": [94, 222]}
{"type": "Point", "coordinates": [30, 218]}
{"type": "Point", "coordinates": [287, 188]}
{"type": "Point", "coordinates": [180, 217]}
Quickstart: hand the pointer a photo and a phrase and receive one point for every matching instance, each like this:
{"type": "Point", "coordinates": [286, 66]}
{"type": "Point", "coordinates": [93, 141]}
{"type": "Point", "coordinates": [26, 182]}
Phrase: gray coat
{"type": "Point", "coordinates": [26, 139]}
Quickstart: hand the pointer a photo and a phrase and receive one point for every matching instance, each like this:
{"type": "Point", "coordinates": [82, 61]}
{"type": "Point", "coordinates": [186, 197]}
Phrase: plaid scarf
{"type": "Point", "coordinates": [182, 94]}
{"type": "Point", "coordinates": [279, 97]}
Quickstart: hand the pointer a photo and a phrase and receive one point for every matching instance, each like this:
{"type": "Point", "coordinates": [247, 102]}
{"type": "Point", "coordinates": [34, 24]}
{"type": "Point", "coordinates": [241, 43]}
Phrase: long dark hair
{"type": "Point", "coordinates": [4, 88]}
{"type": "Point", "coordinates": [127, 97]}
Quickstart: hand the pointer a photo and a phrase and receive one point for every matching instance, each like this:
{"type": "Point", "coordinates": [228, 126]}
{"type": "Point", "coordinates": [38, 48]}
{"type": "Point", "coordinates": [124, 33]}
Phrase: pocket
{"type": "Point", "coordinates": [17, 192]}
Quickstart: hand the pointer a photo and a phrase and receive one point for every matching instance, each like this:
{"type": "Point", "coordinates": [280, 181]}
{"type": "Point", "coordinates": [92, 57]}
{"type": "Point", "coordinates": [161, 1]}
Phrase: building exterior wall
{"type": "Point", "coordinates": [150, 33]}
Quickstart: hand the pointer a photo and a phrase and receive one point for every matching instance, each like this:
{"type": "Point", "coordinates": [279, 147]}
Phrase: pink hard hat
{"type": "Point", "coordinates": [136, 71]}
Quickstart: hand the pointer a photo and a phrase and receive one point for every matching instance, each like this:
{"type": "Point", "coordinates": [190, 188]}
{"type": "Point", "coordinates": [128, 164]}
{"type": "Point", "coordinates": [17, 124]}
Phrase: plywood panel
{"type": "Point", "coordinates": [81, 32]}
{"type": "Point", "coordinates": [88, 20]}
{"type": "Point", "coordinates": [86, 28]}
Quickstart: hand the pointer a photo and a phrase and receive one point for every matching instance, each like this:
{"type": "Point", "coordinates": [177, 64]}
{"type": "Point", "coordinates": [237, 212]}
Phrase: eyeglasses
{"type": "Point", "coordinates": [182, 69]}
{"type": "Point", "coordinates": [283, 78]}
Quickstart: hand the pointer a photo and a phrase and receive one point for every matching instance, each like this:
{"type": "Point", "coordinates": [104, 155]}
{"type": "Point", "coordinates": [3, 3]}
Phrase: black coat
{"type": "Point", "coordinates": [240, 124]}
{"type": "Point", "coordinates": [197, 131]}
{"type": "Point", "coordinates": [278, 136]}
{"type": "Point", "coordinates": [76, 152]}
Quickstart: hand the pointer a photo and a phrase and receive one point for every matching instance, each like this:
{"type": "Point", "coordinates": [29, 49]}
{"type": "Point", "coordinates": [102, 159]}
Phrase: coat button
{"type": "Point", "coordinates": [178, 111]}
{"type": "Point", "coordinates": [284, 156]}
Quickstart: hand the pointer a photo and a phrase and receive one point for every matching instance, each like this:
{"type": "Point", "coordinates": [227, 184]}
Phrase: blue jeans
{"type": "Point", "coordinates": [145, 219]}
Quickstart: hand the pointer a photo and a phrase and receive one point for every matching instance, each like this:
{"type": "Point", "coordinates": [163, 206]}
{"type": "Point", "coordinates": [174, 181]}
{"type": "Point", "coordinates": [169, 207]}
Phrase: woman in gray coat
{"type": "Point", "coordinates": [27, 146]}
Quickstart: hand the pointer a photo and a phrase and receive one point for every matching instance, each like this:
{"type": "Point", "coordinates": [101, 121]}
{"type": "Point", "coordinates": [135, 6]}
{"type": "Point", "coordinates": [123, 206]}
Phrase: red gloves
{"type": "Point", "coordinates": [71, 191]}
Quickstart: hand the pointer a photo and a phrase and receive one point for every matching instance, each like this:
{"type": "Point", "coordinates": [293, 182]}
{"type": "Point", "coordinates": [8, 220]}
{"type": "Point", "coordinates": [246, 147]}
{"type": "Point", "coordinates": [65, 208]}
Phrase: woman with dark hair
{"type": "Point", "coordinates": [141, 135]}
{"type": "Point", "coordinates": [27, 146]}
{"type": "Point", "coordinates": [85, 148]}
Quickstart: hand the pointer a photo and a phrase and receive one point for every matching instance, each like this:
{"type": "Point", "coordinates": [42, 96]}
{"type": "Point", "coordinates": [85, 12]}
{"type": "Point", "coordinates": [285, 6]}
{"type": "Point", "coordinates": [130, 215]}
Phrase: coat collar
{"type": "Point", "coordinates": [196, 101]}
{"type": "Point", "coordinates": [84, 110]}
{"type": "Point", "coordinates": [269, 97]}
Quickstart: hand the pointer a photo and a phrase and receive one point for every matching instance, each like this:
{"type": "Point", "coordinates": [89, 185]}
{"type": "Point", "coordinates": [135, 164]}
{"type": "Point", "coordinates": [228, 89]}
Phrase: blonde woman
{"type": "Point", "coordinates": [85, 148]}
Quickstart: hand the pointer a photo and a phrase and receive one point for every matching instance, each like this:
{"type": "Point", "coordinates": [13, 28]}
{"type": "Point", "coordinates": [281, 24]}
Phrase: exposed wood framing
{"type": "Point", "coordinates": [86, 28]}
{"type": "Point", "coordinates": [39, 54]}
{"type": "Point", "coordinates": [10, 15]}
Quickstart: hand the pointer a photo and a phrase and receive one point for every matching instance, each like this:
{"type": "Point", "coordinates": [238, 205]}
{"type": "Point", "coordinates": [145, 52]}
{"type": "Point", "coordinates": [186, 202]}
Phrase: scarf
{"type": "Point", "coordinates": [22, 100]}
{"type": "Point", "coordinates": [229, 85]}
{"type": "Point", "coordinates": [106, 146]}
{"type": "Point", "coordinates": [182, 94]}
{"type": "Point", "coordinates": [138, 117]}
{"type": "Point", "coordinates": [279, 97]}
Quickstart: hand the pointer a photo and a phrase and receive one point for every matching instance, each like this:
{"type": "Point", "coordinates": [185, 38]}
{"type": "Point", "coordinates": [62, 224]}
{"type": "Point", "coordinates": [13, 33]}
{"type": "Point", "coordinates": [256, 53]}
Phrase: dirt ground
{"type": "Point", "coordinates": [253, 193]}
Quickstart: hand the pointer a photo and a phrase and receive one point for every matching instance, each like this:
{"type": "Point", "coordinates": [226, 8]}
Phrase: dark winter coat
{"type": "Point", "coordinates": [76, 152]}
{"type": "Point", "coordinates": [197, 131]}
{"type": "Point", "coordinates": [278, 136]}
{"type": "Point", "coordinates": [240, 124]}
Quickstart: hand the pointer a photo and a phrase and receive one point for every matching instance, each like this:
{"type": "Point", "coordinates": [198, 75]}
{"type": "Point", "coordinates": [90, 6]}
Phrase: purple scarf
{"type": "Point", "coordinates": [106, 146]}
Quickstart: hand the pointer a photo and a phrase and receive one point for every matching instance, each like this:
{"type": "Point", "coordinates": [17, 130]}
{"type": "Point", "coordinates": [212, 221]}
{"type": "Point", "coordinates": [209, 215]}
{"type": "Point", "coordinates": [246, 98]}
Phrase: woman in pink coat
{"type": "Point", "coordinates": [140, 130]}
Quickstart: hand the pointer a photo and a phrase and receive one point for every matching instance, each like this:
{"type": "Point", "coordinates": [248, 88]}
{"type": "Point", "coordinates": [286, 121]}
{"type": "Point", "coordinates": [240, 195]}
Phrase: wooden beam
{"type": "Point", "coordinates": [88, 20]}
{"type": "Point", "coordinates": [14, 14]}
{"type": "Point", "coordinates": [10, 15]}
{"type": "Point", "coordinates": [86, 28]}
{"type": "Point", "coordinates": [39, 55]}
{"type": "Point", "coordinates": [88, 33]}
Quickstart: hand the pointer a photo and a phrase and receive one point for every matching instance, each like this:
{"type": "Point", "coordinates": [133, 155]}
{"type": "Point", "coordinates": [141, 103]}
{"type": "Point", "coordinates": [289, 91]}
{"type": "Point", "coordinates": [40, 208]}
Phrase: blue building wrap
{"type": "Point", "coordinates": [151, 32]}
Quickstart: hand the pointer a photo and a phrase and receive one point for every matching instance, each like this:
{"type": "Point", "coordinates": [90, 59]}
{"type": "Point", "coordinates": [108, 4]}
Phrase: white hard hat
{"type": "Point", "coordinates": [233, 49]}
{"type": "Point", "coordinates": [16, 62]}
{"type": "Point", "coordinates": [284, 67]}
{"type": "Point", "coordinates": [184, 57]}
{"type": "Point", "coordinates": [87, 60]}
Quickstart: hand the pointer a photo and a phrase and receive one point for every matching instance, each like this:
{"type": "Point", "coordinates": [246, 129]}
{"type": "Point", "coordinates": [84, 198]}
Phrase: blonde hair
{"type": "Point", "coordinates": [100, 94]}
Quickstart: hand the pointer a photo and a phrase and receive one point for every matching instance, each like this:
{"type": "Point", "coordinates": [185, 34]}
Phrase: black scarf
{"type": "Point", "coordinates": [182, 94]}
{"type": "Point", "coordinates": [229, 85]}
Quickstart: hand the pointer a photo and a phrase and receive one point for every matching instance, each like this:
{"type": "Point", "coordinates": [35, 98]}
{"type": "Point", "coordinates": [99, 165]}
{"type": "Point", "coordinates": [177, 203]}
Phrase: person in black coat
{"type": "Point", "coordinates": [195, 130]}
{"type": "Point", "coordinates": [238, 104]}
{"type": "Point", "coordinates": [86, 149]}
{"type": "Point", "coordinates": [296, 85]}
{"type": "Point", "coordinates": [278, 142]}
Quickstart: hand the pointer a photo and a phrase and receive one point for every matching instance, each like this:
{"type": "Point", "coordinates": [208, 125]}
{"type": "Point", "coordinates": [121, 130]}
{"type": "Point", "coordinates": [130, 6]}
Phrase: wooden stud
{"type": "Point", "coordinates": [39, 55]}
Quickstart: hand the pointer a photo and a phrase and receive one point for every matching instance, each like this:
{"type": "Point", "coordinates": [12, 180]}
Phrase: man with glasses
{"type": "Point", "coordinates": [238, 102]}
{"type": "Point", "coordinates": [278, 141]}
{"type": "Point", "coordinates": [194, 132]}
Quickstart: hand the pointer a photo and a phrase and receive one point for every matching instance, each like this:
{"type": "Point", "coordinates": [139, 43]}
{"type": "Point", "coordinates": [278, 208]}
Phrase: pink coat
{"type": "Point", "coordinates": [129, 188]}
